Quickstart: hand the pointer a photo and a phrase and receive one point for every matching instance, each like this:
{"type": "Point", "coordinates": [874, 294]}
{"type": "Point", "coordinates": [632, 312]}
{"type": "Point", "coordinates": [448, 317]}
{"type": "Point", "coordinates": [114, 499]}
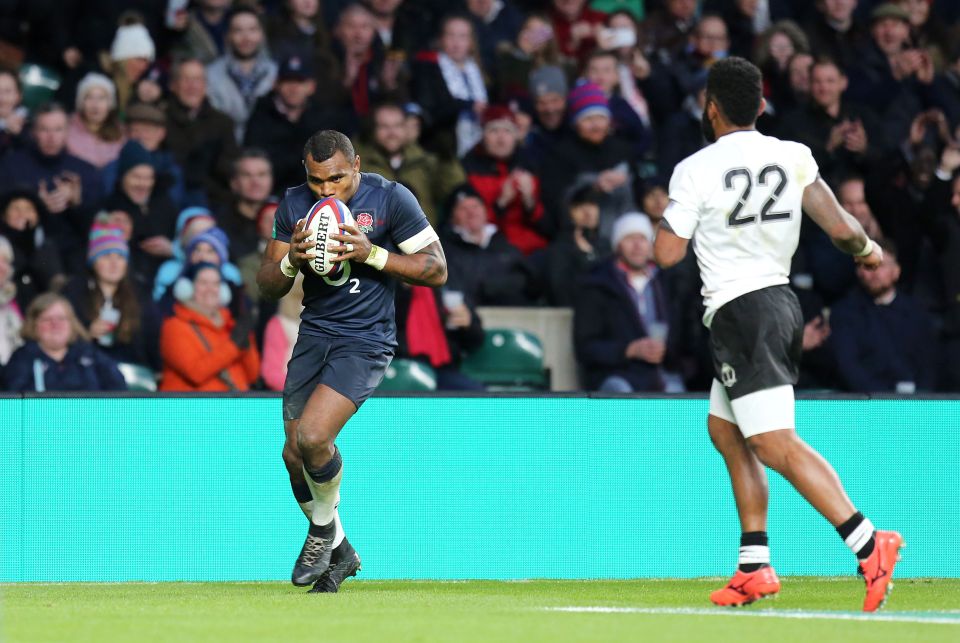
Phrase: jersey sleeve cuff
{"type": "Point", "coordinates": [419, 241]}
{"type": "Point", "coordinates": [677, 224]}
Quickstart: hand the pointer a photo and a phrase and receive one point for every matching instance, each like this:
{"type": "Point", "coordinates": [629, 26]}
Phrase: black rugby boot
{"type": "Point", "coordinates": [314, 558]}
{"type": "Point", "coordinates": [344, 563]}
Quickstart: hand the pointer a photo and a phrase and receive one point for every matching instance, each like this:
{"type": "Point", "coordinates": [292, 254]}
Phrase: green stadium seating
{"type": "Point", "coordinates": [138, 378]}
{"type": "Point", "coordinates": [509, 359]}
{"type": "Point", "coordinates": [635, 7]}
{"type": "Point", "coordinates": [39, 83]}
{"type": "Point", "coordinates": [408, 375]}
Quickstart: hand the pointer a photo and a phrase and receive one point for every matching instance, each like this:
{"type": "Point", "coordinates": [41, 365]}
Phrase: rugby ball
{"type": "Point", "coordinates": [323, 220]}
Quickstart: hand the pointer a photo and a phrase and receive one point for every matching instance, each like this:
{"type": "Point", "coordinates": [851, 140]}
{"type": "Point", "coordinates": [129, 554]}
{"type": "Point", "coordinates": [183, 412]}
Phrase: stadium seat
{"type": "Point", "coordinates": [408, 375]}
{"type": "Point", "coordinates": [634, 7]}
{"type": "Point", "coordinates": [138, 378]}
{"type": "Point", "coordinates": [39, 83]}
{"type": "Point", "coordinates": [509, 359]}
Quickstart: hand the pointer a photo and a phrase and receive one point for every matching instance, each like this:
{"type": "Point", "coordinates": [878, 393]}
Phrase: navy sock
{"type": "Point", "coordinates": [301, 491]}
{"type": "Point", "coordinates": [327, 472]}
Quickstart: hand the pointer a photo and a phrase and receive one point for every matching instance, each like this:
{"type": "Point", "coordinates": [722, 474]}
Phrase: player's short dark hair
{"type": "Point", "coordinates": [734, 84]}
{"type": "Point", "coordinates": [326, 143]}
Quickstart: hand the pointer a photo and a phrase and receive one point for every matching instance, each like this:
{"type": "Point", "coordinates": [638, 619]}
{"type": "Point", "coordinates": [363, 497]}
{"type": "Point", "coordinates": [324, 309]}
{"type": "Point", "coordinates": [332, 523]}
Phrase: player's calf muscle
{"type": "Point", "coordinates": [292, 459]}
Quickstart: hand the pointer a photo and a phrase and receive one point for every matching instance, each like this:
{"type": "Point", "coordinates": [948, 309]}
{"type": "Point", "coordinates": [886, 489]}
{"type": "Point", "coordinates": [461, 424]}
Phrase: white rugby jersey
{"type": "Point", "coordinates": [740, 199]}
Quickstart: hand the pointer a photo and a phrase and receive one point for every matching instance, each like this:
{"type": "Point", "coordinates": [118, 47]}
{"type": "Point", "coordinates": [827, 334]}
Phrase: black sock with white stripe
{"type": "Point", "coordinates": [754, 552]}
{"type": "Point", "coordinates": [858, 533]}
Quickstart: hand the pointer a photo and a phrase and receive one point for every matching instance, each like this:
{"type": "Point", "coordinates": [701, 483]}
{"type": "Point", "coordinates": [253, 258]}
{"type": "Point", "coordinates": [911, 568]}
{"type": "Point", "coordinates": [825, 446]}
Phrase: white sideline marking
{"type": "Point", "coordinates": [796, 614]}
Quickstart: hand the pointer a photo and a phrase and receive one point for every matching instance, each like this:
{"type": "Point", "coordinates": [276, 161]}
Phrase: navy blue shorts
{"type": "Point", "coordinates": [352, 369]}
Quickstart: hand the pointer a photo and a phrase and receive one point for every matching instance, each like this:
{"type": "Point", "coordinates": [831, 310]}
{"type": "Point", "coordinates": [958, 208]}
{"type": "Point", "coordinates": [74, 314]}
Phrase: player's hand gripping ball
{"type": "Point", "coordinates": [323, 220]}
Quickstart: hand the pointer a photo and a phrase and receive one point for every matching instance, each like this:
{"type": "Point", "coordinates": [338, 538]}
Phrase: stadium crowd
{"type": "Point", "coordinates": [137, 193]}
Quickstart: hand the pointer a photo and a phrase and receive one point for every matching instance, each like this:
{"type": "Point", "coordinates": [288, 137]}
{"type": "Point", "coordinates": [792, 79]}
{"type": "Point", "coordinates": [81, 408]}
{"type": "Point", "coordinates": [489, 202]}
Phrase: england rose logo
{"type": "Point", "coordinates": [365, 222]}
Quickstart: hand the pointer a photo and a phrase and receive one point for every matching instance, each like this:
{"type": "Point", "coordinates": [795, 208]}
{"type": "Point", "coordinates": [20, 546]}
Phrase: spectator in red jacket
{"type": "Point", "coordinates": [576, 26]}
{"type": "Point", "coordinates": [504, 181]}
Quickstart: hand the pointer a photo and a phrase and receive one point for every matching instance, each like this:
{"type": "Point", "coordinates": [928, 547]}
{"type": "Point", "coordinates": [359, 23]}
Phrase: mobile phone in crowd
{"type": "Point", "coordinates": [110, 315]}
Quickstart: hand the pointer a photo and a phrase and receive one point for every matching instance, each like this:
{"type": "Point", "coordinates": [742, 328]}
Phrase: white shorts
{"type": "Point", "coordinates": [770, 409]}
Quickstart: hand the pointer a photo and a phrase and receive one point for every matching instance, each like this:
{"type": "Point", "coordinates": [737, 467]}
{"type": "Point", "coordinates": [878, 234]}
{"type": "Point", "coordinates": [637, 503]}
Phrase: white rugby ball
{"type": "Point", "coordinates": [323, 220]}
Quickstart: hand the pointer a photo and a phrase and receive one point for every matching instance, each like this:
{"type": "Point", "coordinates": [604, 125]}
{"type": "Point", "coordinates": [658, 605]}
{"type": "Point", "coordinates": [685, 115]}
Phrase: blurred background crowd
{"type": "Point", "coordinates": [144, 145]}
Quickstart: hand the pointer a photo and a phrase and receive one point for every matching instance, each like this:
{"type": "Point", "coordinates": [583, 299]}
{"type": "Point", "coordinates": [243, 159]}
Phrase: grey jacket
{"type": "Point", "coordinates": [224, 94]}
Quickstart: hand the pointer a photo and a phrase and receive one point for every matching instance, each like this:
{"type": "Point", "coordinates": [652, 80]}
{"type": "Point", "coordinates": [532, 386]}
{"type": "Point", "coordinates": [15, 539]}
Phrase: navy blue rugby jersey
{"type": "Point", "coordinates": [358, 304]}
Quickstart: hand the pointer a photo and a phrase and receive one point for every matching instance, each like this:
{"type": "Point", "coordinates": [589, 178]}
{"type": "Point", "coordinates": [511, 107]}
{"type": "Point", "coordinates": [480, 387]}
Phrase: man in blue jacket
{"type": "Point", "coordinates": [883, 339]}
{"type": "Point", "coordinates": [68, 186]}
{"type": "Point", "coordinates": [621, 315]}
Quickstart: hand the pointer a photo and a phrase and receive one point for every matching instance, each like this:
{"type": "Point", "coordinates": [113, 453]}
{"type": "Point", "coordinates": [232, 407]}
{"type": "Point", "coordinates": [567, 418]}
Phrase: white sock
{"type": "Point", "coordinates": [306, 508]}
{"type": "Point", "coordinates": [326, 497]}
{"type": "Point", "coordinates": [754, 554]}
{"type": "Point", "coordinates": [339, 535]}
{"type": "Point", "coordinates": [860, 536]}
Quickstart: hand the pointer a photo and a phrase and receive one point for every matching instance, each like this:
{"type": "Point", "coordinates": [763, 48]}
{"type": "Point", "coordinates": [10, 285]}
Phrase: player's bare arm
{"type": "Point", "coordinates": [669, 249]}
{"type": "Point", "coordinates": [426, 267]}
{"type": "Point", "coordinates": [271, 280]}
{"type": "Point", "coordinates": [844, 230]}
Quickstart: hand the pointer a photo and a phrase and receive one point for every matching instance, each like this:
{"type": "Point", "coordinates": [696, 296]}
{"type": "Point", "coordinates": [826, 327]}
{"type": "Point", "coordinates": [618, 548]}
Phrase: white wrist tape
{"type": "Point", "coordinates": [867, 249]}
{"type": "Point", "coordinates": [288, 268]}
{"type": "Point", "coordinates": [377, 257]}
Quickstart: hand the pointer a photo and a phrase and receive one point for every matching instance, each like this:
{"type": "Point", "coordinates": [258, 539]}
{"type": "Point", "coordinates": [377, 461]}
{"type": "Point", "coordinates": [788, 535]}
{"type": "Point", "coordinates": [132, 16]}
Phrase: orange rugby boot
{"type": "Point", "coordinates": [746, 588]}
{"type": "Point", "coordinates": [877, 569]}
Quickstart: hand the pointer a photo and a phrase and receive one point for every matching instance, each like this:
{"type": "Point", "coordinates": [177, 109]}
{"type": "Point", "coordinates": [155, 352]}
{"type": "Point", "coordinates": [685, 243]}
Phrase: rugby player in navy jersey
{"type": "Point", "coordinates": [347, 330]}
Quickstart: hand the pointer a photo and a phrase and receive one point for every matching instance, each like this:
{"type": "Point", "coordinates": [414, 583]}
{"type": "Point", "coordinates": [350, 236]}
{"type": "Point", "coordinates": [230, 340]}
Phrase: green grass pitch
{"type": "Point", "coordinates": [809, 609]}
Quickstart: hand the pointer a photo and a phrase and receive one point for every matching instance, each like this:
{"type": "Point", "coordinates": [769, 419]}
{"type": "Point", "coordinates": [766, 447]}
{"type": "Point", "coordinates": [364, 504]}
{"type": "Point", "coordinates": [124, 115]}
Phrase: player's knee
{"type": "Point", "coordinates": [314, 442]}
{"type": "Point", "coordinates": [774, 448]}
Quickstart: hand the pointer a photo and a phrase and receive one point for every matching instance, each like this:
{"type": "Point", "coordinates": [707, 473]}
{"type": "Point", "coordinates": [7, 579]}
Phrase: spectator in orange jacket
{"type": "Point", "coordinates": [202, 347]}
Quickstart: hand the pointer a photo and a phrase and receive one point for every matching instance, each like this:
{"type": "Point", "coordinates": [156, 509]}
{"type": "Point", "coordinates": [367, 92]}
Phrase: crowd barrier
{"type": "Point", "coordinates": [163, 488]}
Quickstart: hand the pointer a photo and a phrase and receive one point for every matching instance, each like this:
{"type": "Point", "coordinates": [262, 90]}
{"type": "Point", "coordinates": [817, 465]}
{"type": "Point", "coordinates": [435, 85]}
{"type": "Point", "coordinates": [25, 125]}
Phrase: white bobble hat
{"type": "Point", "coordinates": [631, 223]}
{"type": "Point", "coordinates": [93, 79]}
{"type": "Point", "coordinates": [132, 41]}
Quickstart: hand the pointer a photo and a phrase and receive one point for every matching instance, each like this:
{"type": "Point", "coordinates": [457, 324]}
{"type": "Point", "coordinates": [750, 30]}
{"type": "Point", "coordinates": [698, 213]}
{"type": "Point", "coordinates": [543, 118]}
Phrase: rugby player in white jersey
{"type": "Point", "coordinates": [740, 200]}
